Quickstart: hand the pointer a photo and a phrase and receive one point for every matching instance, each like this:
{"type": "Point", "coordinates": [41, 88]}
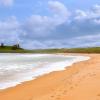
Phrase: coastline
{"type": "Point", "coordinates": [60, 85]}
{"type": "Point", "coordinates": [32, 66]}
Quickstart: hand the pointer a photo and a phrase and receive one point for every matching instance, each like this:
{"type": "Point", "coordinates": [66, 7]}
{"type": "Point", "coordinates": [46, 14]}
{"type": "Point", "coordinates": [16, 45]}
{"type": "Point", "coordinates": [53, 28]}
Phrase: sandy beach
{"type": "Point", "coordinates": [81, 81]}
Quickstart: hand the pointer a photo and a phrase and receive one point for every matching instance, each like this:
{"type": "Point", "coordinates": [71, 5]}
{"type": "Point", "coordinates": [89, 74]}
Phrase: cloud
{"type": "Point", "coordinates": [60, 29]}
{"type": "Point", "coordinates": [93, 13]}
{"type": "Point", "coordinates": [81, 41]}
{"type": "Point", "coordinates": [86, 41]}
{"type": "Point", "coordinates": [64, 29]}
{"type": "Point", "coordinates": [60, 10]}
{"type": "Point", "coordinates": [9, 30]}
{"type": "Point", "coordinates": [41, 26]}
{"type": "Point", "coordinates": [80, 14]}
{"type": "Point", "coordinates": [10, 24]}
{"type": "Point", "coordinates": [6, 2]}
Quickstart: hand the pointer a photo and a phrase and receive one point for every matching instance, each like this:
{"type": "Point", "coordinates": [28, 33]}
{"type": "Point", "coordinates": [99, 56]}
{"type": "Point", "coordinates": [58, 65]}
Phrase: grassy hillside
{"type": "Point", "coordinates": [10, 49]}
{"type": "Point", "coordinates": [48, 51]}
{"type": "Point", "coordinates": [85, 50]}
{"type": "Point", "coordinates": [72, 50]}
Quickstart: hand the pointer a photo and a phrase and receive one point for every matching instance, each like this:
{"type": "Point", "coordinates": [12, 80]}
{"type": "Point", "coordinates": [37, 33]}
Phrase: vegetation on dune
{"type": "Point", "coordinates": [71, 50]}
{"type": "Point", "coordinates": [17, 49]}
{"type": "Point", "coordinates": [85, 50]}
{"type": "Point", "coordinates": [10, 49]}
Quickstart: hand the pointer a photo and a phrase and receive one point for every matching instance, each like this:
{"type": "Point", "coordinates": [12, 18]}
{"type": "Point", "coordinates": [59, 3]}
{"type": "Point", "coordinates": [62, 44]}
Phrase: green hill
{"type": "Point", "coordinates": [14, 49]}
{"type": "Point", "coordinates": [70, 50]}
{"type": "Point", "coordinates": [9, 49]}
{"type": "Point", "coordinates": [85, 50]}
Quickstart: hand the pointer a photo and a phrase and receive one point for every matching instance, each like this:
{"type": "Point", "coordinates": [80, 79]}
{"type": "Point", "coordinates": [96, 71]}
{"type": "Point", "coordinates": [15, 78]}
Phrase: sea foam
{"type": "Point", "coordinates": [18, 68]}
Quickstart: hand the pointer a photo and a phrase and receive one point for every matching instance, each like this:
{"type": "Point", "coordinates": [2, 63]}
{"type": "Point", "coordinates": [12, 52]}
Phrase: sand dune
{"type": "Point", "coordinates": [78, 82]}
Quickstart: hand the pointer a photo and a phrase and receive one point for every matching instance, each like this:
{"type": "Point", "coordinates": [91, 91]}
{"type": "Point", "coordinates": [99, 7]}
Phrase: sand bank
{"type": "Point", "coordinates": [81, 81]}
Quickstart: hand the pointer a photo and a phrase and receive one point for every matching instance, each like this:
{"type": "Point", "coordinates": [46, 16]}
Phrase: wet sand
{"type": "Point", "coordinates": [81, 81]}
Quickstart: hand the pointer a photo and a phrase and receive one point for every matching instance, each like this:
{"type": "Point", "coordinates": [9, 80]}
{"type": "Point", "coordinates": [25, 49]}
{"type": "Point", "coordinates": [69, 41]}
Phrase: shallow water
{"type": "Point", "coordinates": [17, 68]}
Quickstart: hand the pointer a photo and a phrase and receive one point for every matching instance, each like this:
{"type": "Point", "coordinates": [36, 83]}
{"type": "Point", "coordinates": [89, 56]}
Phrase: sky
{"type": "Point", "coordinates": [36, 24]}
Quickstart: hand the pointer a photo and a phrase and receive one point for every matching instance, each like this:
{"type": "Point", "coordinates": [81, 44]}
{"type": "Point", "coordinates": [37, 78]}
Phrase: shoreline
{"type": "Point", "coordinates": [43, 68]}
{"type": "Point", "coordinates": [49, 86]}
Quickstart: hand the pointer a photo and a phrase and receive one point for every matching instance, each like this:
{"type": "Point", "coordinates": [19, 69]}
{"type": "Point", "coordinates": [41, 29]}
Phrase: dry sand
{"type": "Point", "coordinates": [81, 81]}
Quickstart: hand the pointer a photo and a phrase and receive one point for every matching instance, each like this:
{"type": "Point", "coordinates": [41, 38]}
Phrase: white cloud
{"type": "Point", "coordinates": [80, 15]}
{"type": "Point", "coordinates": [9, 30]}
{"type": "Point", "coordinates": [60, 10]}
{"type": "Point", "coordinates": [94, 12]}
{"type": "Point", "coordinates": [42, 26]}
{"type": "Point", "coordinates": [81, 41]}
{"type": "Point", "coordinates": [6, 2]}
{"type": "Point", "coordinates": [9, 24]}
{"type": "Point", "coordinates": [87, 32]}
{"type": "Point", "coordinates": [56, 30]}
{"type": "Point", "coordinates": [87, 40]}
{"type": "Point", "coordinates": [96, 9]}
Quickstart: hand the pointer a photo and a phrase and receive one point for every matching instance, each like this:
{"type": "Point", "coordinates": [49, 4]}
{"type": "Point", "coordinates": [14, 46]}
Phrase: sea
{"type": "Point", "coordinates": [16, 68]}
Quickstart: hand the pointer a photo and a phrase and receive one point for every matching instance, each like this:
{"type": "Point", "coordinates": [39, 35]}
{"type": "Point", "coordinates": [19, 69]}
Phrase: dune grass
{"type": "Point", "coordinates": [70, 50]}
{"type": "Point", "coordinates": [8, 49]}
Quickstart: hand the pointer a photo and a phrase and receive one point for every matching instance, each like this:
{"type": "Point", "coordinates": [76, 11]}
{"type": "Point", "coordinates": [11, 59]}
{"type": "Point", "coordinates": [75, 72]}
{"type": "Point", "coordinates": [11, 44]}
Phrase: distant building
{"type": "Point", "coordinates": [17, 46]}
{"type": "Point", "coordinates": [2, 45]}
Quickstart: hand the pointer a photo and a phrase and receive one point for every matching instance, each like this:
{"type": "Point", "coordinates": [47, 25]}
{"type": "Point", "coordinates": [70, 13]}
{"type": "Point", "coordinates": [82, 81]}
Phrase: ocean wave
{"type": "Point", "coordinates": [18, 68]}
